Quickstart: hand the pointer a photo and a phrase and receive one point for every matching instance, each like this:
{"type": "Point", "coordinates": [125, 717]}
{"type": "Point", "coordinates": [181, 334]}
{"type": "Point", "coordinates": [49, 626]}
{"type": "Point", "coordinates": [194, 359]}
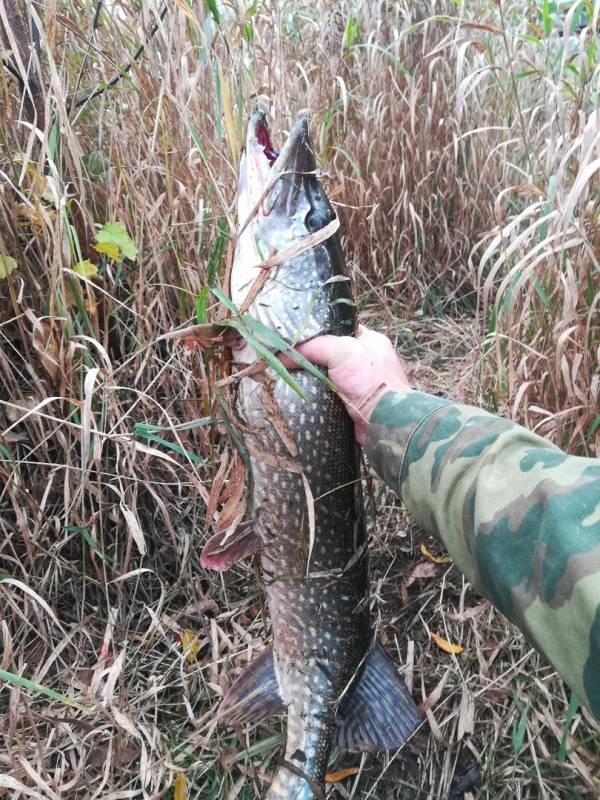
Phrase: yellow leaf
{"type": "Point", "coordinates": [436, 559]}
{"type": "Point", "coordinates": [86, 268]}
{"type": "Point", "coordinates": [334, 777]}
{"type": "Point", "coordinates": [447, 646]}
{"type": "Point", "coordinates": [186, 10]}
{"type": "Point", "coordinates": [232, 137]}
{"type": "Point", "coordinates": [180, 792]}
{"type": "Point", "coordinates": [110, 249]}
{"type": "Point", "coordinates": [191, 645]}
{"type": "Point", "coordinates": [7, 265]}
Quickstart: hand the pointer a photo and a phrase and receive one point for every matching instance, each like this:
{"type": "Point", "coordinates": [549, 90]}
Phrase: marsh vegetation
{"type": "Point", "coordinates": [460, 143]}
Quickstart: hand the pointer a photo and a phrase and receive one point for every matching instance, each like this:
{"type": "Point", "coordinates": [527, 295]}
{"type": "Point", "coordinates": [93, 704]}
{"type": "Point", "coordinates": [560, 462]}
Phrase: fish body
{"type": "Point", "coordinates": [337, 686]}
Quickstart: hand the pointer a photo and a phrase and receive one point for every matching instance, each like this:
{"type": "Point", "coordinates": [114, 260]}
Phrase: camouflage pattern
{"type": "Point", "coordinates": [520, 518]}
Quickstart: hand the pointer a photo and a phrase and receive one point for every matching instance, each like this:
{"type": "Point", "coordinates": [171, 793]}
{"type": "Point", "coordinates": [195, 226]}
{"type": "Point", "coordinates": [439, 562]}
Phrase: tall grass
{"type": "Point", "coordinates": [461, 148]}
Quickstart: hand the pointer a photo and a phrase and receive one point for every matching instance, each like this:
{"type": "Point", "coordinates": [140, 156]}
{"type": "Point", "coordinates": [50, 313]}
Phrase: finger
{"type": "Point", "coordinates": [325, 350]}
{"type": "Point", "coordinates": [288, 362]}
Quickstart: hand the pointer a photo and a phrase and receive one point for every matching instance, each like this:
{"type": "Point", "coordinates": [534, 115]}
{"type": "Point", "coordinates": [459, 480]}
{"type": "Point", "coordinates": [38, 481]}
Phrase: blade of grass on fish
{"type": "Point", "coordinates": [224, 299]}
{"type": "Point", "coordinates": [246, 326]}
{"type": "Point", "coordinates": [243, 325]}
{"type": "Point", "coordinates": [25, 683]}
{"type": "Point", "coordinates": [273, 339]}
{"type": "Point", "coordinates": [239, 325]}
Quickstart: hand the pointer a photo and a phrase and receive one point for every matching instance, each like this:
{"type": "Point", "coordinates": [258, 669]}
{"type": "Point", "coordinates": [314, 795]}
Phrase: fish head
{"type": "Point", "coordinates": [282, 202]}
{"type": "Point", "coordinates": [280, 194]}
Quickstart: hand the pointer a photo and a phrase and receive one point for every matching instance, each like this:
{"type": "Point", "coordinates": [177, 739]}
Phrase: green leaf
{"type": "Point", "coordinates": [89, 539]}
{"type": "Point", "coordinates": [201, 306]}
{"type": "Point", "coordinates": [571, 711]}
{"type": "Point", "coordinates": [546, 18]}
{"type": "Point", "coordinates": [239, 325]}
{"type": "Point", "coordinates": [352, 32]}
{"type": "Point", "coordinates": [594, 427]}
{"type": "Point", "coordinates": [113, 235]}
{"type": "Point", "coordinates": [173, 446]}
{"type": "Point", "coordinates": [519, 728]}
{"type": "Point", "coordinates": [224, 299]}
{"type": "Point", "coordinates": [53, 139]}
{"type": "Point", "coordinates": [541, 293]}
{"type": "Point", "coordinates": [214, 262]}
{"type": "Point", "coordinates": [239, 446]}
{"type": "Point", "coordinates": [186, 426]}
{"type": "Point", "coordinates": [196, 139]}
{"type": "Point", "coordinates": [214, 10]}
{"type": "Point", "coordinates": [258, 748]}
{"type": "Point", "coordinates": [25, 683]}
{"type": "Point", "coordinates": [274, 340]}
{"type": "Point", "coordinates": [7, 265]}
{"type": "Point", "coordinates": [86, 269]}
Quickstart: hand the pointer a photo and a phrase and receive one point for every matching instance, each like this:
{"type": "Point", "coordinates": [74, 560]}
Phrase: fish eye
{"type": "Point", "coordinates": [312, 222]}
{"type": "Point", "coordinates": [318, 218]}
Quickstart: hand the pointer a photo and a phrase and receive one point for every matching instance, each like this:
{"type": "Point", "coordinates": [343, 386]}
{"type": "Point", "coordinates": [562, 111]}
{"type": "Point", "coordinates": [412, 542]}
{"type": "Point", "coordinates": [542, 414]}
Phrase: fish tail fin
{"type": "Point", "coordinates": [379, 713]}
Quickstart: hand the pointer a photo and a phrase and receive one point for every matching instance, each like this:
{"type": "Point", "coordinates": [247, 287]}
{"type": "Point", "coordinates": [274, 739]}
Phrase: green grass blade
{"type": "Point", "coordinates": [25, 683]}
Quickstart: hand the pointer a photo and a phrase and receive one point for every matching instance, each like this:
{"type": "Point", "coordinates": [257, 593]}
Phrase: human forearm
{"type": "Point", "coordinates": [520, 518]}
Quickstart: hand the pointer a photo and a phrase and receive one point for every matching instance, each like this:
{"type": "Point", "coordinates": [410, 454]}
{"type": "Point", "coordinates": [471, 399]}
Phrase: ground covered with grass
{"type": "Point", "coordinates": [460, 145]}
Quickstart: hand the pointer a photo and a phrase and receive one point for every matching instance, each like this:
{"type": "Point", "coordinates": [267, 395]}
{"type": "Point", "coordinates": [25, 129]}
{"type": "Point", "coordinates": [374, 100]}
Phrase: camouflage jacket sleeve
{"type": "Point", "coordinates": [520, 518]}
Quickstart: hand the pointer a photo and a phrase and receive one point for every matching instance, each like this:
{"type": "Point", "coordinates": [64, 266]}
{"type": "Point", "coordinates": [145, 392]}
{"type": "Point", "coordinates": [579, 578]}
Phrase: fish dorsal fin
{"type": "Point", "coordinates": [222, 551]}
{"type": "Point", "coordinates": [379, 714]}
{"type": "Point", "coordinates": [254, 695]}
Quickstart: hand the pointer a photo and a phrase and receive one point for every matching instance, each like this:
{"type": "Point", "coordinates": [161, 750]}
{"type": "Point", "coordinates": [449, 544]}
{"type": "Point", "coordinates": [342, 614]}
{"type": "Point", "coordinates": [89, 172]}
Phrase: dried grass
{"type": "Point", "coordinates": [464, 160]}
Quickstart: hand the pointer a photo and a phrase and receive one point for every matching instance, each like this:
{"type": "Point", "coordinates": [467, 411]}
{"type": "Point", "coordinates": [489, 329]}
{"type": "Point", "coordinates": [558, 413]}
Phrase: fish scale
{"type": "Point", "coordinates": [337, 686]}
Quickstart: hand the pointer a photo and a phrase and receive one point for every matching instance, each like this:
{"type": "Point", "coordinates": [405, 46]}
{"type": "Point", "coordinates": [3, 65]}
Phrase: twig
{"type": "Point", "coordinates": [101, 88]}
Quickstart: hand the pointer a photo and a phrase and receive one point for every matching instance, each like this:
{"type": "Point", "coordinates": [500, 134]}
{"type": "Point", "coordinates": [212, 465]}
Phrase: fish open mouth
{"type": "Point", "coordinates": [263, 137]}
{"type": "Point", "coordinates": [297, 154]}
{"type": "Point", "coordinates": [291, 173]}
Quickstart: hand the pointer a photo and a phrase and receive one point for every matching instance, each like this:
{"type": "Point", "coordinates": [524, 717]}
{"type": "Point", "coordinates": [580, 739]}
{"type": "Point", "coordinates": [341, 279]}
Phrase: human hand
{"type": "Point", "coordinates": [362, 369]}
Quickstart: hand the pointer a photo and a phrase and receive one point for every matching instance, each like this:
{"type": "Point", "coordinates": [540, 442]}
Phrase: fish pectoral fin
{"type": "Point", "coordinates": [379, 714]}
{"type": "Point", "coordinates": [254, 695]}
{"type": "Point", "coordinates": [222, 550]}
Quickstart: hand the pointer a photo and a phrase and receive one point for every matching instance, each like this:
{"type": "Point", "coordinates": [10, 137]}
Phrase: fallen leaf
{"type": "Point", "coordinates": [215, 492]}
{"type": "Point", "coordinates": [447, 646]}
{"type": "Point", "coordinates": [191, 645]}
{"type": "Point", "coordinates": [86, 268]}
{"type": "Point", "coordinates": [436, 559]}
{"type": "Point", "coordinates": [425, 569]}
{"type": "Point", "coordinates": [180, 792]}
{"type": "Point", "coordinates": [334, 777]}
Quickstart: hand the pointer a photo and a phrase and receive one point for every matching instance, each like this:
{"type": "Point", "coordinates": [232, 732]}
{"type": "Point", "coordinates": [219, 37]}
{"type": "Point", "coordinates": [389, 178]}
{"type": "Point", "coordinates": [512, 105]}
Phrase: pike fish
{"type": "Point", "coordinates": [325, 670]}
